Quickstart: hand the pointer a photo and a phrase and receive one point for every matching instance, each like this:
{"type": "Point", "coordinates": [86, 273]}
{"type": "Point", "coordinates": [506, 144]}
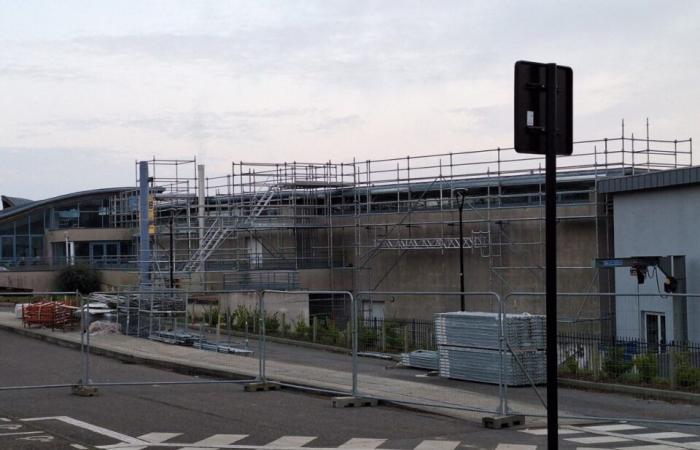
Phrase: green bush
{"type": "Point", "coordinates": [211, 316]}
{"type": "Point", "coordinates": [647, 367]}
{"type": "Point", "coordinates": [241, 315]}
{"type": "Point", "coordinates": [614, 364]}
{"type": "Point", "coordinates": [329, 333]}
{"type": "Point", "coordinates": [301, 329]}
{"type": "Point", "coordinates": [569, 366]}
{"type": "Point", "coordinates": [687, 376]}
{"type": "Point", "coordinates": [394, 337]}
{"type": "Point", "coordinates": [81, 278]}
{"type": "Point", "coordinates": [272, 323]}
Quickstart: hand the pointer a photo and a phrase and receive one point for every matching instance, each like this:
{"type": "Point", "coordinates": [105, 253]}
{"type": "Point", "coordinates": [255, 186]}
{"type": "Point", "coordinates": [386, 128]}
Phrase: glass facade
{"type": "Point", "coordinates": [23, 236]}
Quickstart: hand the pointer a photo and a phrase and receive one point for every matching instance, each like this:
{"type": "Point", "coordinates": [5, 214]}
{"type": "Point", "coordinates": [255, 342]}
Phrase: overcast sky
{"type": "Point", "coordinates": [88, 87]}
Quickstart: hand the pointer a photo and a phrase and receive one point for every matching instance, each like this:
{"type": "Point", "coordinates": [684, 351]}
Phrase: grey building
{"type": "Point", "coordinates": [657, 214]}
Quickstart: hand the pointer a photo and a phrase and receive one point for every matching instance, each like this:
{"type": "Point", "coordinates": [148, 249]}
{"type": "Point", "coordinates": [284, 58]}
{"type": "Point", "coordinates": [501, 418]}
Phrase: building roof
{"type": "Point", "coordinates": [9, 202]}
{"type": "Point", "coordinates": [654, 180]}
{"type": "Point", "coordinates": [28, 205]}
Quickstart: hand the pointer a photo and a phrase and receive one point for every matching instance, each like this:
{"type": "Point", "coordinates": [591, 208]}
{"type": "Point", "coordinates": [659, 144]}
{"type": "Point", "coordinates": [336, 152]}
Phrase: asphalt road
{"type": "Point", "coordinates": [223, 415]}
{"type": "Point", "coordinates": [581, 403]}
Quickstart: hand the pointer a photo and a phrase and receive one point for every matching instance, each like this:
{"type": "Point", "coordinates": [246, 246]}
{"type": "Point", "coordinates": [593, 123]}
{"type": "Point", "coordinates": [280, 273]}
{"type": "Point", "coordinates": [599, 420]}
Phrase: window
{"type": "Point", "coordinates": [655, 329]}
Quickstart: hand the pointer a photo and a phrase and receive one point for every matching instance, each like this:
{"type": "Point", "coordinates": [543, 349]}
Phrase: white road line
{"type": "Point", "coordinates": [543, 431]}
{"type": "Point", "coordinates": [157, 438]}
{"type": "Point", "coordinates": [290, 441]}
{"type": "Point", "coordinates": [79, 447]}
{"type": "Point", "coordinates": [437, 445]}
{"type": "Point", "coordinates": [669, 444]}
{"type": "Point", "coordinates": [94, 428]}
{"type": "Point", "coordinates": [20, 432]}
{"type": "Point", "coordinates": [598, 440]}
{"type": "Point", "coordinates": [516, 447]}
{"type": "Point", "coordinates": [613, 427]}
{"type": "Point", "coordinates": [650, 447]}
{"type": "Point", "coordinates": [2, 419]}
{"type": "Point", "coordinates": [362, 443]}
{"type": "Point", "coordinates": [216, 441]}
{"type": "Point", "coordinates": [663, 435]}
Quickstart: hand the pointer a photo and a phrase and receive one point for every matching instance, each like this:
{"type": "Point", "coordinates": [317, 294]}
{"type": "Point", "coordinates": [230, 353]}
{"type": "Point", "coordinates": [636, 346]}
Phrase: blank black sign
{"type": "Point", "coordinates": [530, 124]}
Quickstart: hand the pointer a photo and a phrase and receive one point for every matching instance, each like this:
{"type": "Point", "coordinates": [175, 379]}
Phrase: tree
{"type": "Point", "coordinates": [80, 278]}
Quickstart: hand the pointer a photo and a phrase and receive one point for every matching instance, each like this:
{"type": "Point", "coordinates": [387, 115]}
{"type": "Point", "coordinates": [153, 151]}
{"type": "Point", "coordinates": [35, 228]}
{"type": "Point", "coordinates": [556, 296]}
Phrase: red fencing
{"type": "Point", "coordinates": [47, 314]}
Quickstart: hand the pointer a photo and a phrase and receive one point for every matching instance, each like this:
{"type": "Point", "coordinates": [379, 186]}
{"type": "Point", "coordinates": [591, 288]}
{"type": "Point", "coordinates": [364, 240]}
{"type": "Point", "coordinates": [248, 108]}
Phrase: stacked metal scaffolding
{"type": "Point", "coordinates": [471, 345]}
{"type": "Point", "coordinates": [148, 312]}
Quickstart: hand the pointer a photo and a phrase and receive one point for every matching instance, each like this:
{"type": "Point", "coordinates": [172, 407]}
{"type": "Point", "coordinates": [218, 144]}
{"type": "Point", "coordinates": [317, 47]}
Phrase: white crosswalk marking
{"type": "Point", "coordinates": [437, 445]}
{"type": "Point", "coordinates": [363, 443]}
{"type": "Point", "coordinates": [543, 431]}
{"type": "Point", "coordinates": [215, 441]}
{"type": "Point", "coordinates": [662, 435]}
{"type": "Point", "coordinates": [516, 447]}
{"type": "Point", "coordinates": [613, 427]}
{"type": "Point", "coordinates": [157, 438]}
{"type": "Point", "coordinates": [598, 440]}
{"type": "Point", "coordinates": [651, 447]}
{"type": "Point", "coordinates": [290, 441]}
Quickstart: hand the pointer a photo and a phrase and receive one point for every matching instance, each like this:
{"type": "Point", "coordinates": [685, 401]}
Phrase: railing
{"type": "Point", "coordinates": [629, 361]}
{"type": "Point", "coordinates": [42, 263]}
{"type": "Point", "coordinates": [396, 336]}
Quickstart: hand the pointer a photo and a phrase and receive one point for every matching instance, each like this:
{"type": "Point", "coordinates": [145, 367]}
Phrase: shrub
{"type": "Point", "coordinates": [272, 323]}
{"type": "Point", "coordinates": [614, 364]}
{"type": "Point", "coordinates": [242, 315]}
{"type": "Point", "coordinates": [686, 375]}
{"type": "Point", "coordinates": [647, 367]}
{"type": "Point", "coordinates": [329, 333]}
{"type": "Point", "coordinates": [81, 278]}
{"type": "Point", "coordinates": [569, 366]}
{"type": "Point", "coordinates": [301, 329]}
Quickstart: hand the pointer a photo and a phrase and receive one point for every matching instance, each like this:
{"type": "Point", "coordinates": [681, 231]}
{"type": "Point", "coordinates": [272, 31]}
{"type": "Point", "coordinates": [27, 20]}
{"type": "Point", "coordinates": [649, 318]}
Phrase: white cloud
{"type": "Point", "coordinates": [325, 79]}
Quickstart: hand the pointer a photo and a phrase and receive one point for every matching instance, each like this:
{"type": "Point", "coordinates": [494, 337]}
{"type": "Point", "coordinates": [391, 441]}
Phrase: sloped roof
{"type": "Point", "coordinates": [655, 180]}
{"type": "Point", "coordinates": [28, 205]}
{"type": "Point", "coordinates": [9, 202]}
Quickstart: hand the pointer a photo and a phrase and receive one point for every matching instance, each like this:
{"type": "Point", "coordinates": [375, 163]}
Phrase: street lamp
{"type": "Point", "coordinates": [461, 194]}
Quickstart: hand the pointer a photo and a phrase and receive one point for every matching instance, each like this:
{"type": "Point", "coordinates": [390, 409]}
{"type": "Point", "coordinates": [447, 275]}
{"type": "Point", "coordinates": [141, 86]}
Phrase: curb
{"type": "Point", "coordinates": [288, 341]}
{"type": "Point", "coordinates": [636, 391]}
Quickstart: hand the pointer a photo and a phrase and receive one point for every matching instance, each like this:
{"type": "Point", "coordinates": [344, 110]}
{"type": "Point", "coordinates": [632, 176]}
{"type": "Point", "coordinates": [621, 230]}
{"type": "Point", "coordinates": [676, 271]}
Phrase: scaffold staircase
{"type": "Point", "coordinates": [212, 239]}
{"type": "Point", "coordinates": [222, 228]}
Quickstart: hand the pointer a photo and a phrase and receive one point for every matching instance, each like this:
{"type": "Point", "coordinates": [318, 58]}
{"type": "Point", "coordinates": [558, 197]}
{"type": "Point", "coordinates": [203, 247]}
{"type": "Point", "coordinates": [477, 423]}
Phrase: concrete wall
{"type": "Point", "coordinates": [294, 307]}
{"type": "Point", "coordinates": [516, 262]}
{"type": "Point", "coordinates": [657, 223]}
{"type": "Point", "coordinates": [43, 281]}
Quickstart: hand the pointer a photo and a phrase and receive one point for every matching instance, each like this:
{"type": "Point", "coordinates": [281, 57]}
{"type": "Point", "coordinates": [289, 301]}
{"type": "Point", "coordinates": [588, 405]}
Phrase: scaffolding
{"type": "Point", "coordinates": [262, 223]}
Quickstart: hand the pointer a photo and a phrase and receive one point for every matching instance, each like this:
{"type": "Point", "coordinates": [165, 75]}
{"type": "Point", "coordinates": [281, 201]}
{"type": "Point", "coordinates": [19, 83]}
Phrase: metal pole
{"type": "Point", "coordinates": [262, 336]}
{"type": "Point", "coordinates": [144, 239]}
{"type": "Point", "coordinates": [551, 259]}
{"type": "Point", "coordinates": [353, 305]}
{"type": "Point", "coordinates": [461, 251]}
{"type": "Point", "coordinates": [172, 251]}
{"type": "Point", "coordinates": [82, 337]}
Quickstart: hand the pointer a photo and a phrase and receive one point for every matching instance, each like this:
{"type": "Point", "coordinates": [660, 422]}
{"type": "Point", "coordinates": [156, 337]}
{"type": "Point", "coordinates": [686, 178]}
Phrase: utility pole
{"type": "Point", "coordinates": [172, 251]}
{"type": "Point", "coordinates": [544, 125]}
{"type": "Point", "coordinates": [461, 193]}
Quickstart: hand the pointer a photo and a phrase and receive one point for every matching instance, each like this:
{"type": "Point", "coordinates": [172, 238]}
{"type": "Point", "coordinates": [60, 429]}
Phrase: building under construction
{"type": "Point", "coordinates": [364, 226]}
{"type": "Point", "coordinates": [393, 225]}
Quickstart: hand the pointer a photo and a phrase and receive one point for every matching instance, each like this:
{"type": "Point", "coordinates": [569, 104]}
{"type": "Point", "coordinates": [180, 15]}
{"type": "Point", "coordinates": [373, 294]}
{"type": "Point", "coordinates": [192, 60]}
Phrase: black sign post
{"type": "Point", "coordinates": [544, 125]}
